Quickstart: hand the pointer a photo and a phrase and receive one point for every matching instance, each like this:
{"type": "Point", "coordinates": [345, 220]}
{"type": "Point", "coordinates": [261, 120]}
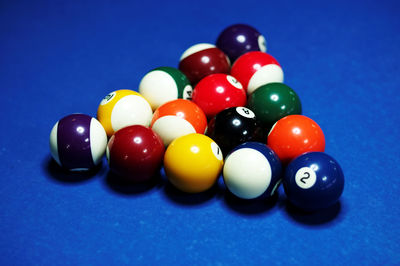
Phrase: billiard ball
{"type": "Point", "coordinates": [201, 60]}
{"type": "Point", "coordinates": [274, 101]}
{"type": "Point", "coordinates": [293, 135]}
{"type": "Point", "coordinates": [233, 126]}
{"type": "Point", "coordinates": [217, 92]}
{"type": "Point", "coordinates": [254, 69]}
{"type": "Point", "coordinates": [239, 39]}
{"type": "Point", "coordinates": [313, 181]}
{"type": "Point", "coordinates": [135, 153]}
{"type": "Point", "coordinates": [252, 170]}
{"type": "Point", "coordinates": [193, 163]}
{"type": "Point", "coordinates": [178, 118]}
{"type": "Point", "coordinates": [78, 142]}
{"type": "Point", "coordinates": [123, 108]}
{"type": "Point", "coordinates": [164, 84]}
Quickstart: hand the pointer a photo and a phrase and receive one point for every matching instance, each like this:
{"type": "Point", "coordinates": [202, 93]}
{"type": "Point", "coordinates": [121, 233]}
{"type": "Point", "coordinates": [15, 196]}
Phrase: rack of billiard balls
{"type": "Point", "coordinates": [208, 117]}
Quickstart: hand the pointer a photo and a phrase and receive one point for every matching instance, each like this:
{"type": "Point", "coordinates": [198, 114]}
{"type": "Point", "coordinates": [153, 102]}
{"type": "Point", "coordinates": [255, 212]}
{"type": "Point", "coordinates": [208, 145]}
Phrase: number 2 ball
{"type": "Point", "coordinates": [78, 142]}
{"type": "Point", "coordinates": [313, 181]}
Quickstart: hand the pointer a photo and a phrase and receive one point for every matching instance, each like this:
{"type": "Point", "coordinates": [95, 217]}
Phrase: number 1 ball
{"type": "Point", "coordinates": [135, 153]}
{"type": "Point", "coordinates": [313, 181]}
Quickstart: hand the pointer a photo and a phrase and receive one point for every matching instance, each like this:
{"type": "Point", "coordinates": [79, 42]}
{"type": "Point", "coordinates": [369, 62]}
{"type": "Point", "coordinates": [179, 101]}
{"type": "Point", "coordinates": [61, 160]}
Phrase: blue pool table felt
{"type": "Point", "coordinates": [62, 57]}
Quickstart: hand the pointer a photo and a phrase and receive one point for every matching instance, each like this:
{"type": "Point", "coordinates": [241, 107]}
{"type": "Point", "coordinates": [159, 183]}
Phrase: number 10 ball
{"type": "Point", "coordinates": [313, 181]}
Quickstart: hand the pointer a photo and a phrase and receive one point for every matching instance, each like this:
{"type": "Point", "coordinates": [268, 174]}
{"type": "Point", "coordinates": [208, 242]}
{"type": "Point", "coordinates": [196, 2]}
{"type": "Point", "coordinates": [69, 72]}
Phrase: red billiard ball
{"type": "Point", "coordinates": [294, 135]}
{"type": "Point", "coordinates": [254, 69]}
{"type": "Point", "coordinates": [135, 153]}
{"type": "Point", "coordinates": [201, 60]}
{"type": "Point", "coordinates": [217, 92]}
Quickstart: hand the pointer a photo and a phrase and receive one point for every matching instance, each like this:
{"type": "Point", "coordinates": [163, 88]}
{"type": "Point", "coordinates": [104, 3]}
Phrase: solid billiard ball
{"type": "Point", "coordinates": [135, 153]}
{"type": "Point", "coordinates": [164, 84]}
{"type": "Point", "coordinates": [252, 169]}
{"type": "Point", "coordinates": [193, 163]}
{"type": "Point", "coordinates": [233, 126]}
{"type": "Point", "coordinates": [293, 135]}
{"type": "Point", "coordinates": [123, 108]}
{"type": "Point", "coordinates": [274, 101]}
{"type": "Point", "coordinates": [78, 142]}
{"type": "Point", "coordinates": [313, 181]}
{"type": "Point", "coordinates": [217, 92]}
{"type": "Point", "coordinates": [254, 69]}
{"type": "Point", "coordinates": [178, 118]}
{"type": "Point", "coordinates": [239, 39]}
{"type": "Point", "coordinates": [201, 60]}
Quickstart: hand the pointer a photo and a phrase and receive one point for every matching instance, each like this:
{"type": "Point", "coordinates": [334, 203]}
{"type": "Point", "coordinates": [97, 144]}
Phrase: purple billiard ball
{"type": "Point", "coordinates": [239, 39]}
{"type": "Point", "coordinates": [78, 142]}
{"type": "Point", "coordinates": [313, 181]}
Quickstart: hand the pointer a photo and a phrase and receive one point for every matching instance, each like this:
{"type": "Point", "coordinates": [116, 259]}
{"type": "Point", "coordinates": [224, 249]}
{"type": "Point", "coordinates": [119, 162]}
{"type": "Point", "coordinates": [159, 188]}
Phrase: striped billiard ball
{"type": "Point", "coordinates": [78, 142]}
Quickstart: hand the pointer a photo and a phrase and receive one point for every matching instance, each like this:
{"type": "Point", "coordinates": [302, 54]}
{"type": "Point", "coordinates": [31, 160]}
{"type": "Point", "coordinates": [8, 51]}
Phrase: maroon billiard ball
{"type": "Point", "coordinates": [135, 153]}
{"type": "Point", "coordinates": [201, 60]}
{"type": "Point", "coordinates": [217, 92]}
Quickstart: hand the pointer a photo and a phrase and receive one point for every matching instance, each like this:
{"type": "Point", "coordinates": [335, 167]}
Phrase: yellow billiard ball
{"type": "Point", "coordinates": [193, 163]}
{"type": "Point", "coordinates": [122, 108]}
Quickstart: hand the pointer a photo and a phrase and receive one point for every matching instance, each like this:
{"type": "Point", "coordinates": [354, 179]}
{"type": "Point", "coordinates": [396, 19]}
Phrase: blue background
{"type": "Point", "coordinates": [62, 57]}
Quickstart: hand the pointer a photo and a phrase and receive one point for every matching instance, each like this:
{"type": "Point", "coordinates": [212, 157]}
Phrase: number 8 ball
{"type": "Point", "coordinates": [313, 181]}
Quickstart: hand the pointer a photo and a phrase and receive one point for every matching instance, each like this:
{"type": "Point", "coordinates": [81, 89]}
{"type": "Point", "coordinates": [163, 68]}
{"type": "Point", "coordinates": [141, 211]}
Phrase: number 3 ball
{"type": "Point", "coordinates": [135, 153]}
{"type": "Point", "coordinates": [78, 142]}
{"type": "Point", "coordinates": [313, 181]}
{"type": "Point", "coordinates": [193, 163]}
{"type": "Point", "coordinates": [251, 170]}
{"type": "Point", "coordinates": [123, 108]}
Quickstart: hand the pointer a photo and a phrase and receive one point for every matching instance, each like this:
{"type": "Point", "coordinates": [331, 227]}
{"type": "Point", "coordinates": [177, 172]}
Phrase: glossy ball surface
{"type": "Point", "coordinates": [294, 135]}
{"type": "Point", "coordinates": [239, 39]}
{"type": "Point", "coordinates": [254, 69]}
{"type": "Point", "coordinates": [313, 181]}
{"type": "Point", "coordinates": [274, 101]}
{"type": "Point", "coordinates": [123, 108]}
{"type": "Point", "coordinates": [135, 153]}
{"type": "Point", "coordinates": [201, 60]}
{"type": "Point", "coordinates": [193, 163]}
{"type": "Point", "coordinates": [251, 170]}
{"type": "Point", "coordinates": [164, 84]}
{"type": "Point", "coordinates": [217, 92]}
{"type": "Point", "coordinates": [78, 142]}
{"type": "Point", "coordinates": [178, 118]}
{"type": "Point", "coordinates": [233, 126]}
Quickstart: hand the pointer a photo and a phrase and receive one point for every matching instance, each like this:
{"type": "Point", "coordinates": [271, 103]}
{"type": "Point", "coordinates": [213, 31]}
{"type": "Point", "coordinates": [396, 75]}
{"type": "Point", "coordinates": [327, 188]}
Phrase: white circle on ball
{"type": "Point", "coordinates": [232, 80]}
{"type": "Point", "coordinates": [131, 110]}
{"type": "Point", "coordinates": [171, 127]}
{"type": "Point", "coordinates": [98, 140]}
{"type": "Point", "coordinates": [196, 48]}
{"type": "Point", "coordinates": [108, 98]}
{"type": "Point", "coordinates": [54, 143]}
{"type": "Point", "coordinates": [158, 87]}
{"type": "Point", "coordinates": [243, 111]}
{"type": "Point", "coordinates": [266, 74]}
{"type": "Point", "coordinates": [247, 173]}
{"type": "Point", "coordinates": [216, 151]}
{"type": "Point", "coordinates": [305, 177]}
{"type": "Point", "coordinates": [187, 92]}
{"type": "Point", "coordinates": [262, 43]}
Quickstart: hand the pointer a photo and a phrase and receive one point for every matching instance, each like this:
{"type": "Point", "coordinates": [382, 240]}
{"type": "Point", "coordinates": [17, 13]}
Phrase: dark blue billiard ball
{"type": "Point", "coordinates": [251, 170]}
{"type": "Point", "coordinates": [313, 181]}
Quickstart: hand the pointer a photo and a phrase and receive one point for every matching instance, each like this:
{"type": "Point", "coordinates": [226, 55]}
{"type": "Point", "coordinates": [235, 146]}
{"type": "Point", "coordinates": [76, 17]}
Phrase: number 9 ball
{"type": "Point", "coordinates": [313, 181]}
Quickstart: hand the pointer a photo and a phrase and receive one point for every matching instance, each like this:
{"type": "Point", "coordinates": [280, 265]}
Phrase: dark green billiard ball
{"type": "Point", "coordinates": [274, 101]}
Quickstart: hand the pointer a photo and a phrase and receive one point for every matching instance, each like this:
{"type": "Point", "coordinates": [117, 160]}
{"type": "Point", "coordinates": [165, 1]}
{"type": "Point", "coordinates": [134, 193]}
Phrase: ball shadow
{"type": "Point", "coordinates": [59, 174]}
{"type": "Point", "coordinates": [123, 186]}
{"type": "Point", "coordinates": [313, 218]}
{"type": "Point", "coordinates": [187, 199]}
{"type": "Point", "coordinates": [250, 206]}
